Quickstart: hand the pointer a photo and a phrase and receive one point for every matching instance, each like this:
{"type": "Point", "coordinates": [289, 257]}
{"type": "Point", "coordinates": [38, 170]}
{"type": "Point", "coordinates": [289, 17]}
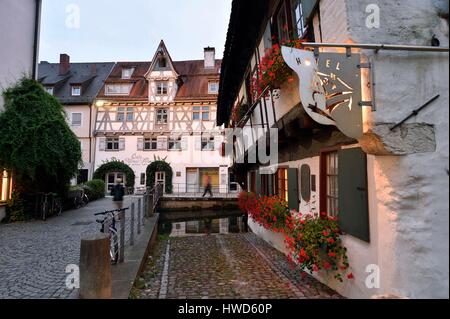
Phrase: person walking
{"type": "Point", "coordinates": [118, 192]}
{"type": "Point", "coordinates": [208, 186]}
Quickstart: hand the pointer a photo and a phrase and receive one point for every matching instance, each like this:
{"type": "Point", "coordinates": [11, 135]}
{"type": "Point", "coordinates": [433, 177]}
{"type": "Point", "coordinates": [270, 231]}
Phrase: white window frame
{"type": "Point", "coordinates": [150, 142]}
{"type": "Point", "coordinates": [115, 141]}
{"type": "Point", "coordinates": [50, 90]}
{"type": "Point", "coordinates": [203, 113]}
{"type": "Point", "coordinates": [162, 88]}
{"type": "Point", "coordinates": [72, 116]}
{"type": "Point", "coordinates": [162, 116]}
{"type": "Point", "coordinates": [118, 85]}
{"type": "Point", "coordinates": [127, 73]}
{"type": "Point", "coordinates": [210, 84]}
{"type": "Point", "coordinates": [76, 90]}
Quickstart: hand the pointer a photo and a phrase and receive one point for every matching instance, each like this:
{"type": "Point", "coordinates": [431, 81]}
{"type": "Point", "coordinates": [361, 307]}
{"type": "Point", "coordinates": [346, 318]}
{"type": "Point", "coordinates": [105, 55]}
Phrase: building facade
{"type": "Point", "coordinates": [162, 110]}
{"type": "Point", "coordinates": [385, 177]}
{"type": "Point", "coordinates": [19, 44]}
{"type": "Point", "coordinates": [76, 86]}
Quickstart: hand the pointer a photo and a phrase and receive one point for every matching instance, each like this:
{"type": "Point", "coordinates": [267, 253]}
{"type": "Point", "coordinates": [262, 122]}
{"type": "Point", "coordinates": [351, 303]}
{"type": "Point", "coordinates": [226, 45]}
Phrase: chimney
{"type": "Point", "coordinates": [64, 64]}
{"type": "Point", "coordinates": [210, 58]}
{"type": "Point", "coordinates": [93, 69]}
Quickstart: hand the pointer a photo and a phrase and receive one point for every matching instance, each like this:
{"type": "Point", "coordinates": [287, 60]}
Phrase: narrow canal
{"type": "Point", "coordinates": [207, 258]}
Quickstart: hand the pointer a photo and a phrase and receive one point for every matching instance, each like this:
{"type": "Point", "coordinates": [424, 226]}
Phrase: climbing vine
{"type": "Point", "coordinates": [160, 165]}
{"type": "Point", "coordinates": [114, 165]}
{"type": "Point", "coordinates": [35, 141]}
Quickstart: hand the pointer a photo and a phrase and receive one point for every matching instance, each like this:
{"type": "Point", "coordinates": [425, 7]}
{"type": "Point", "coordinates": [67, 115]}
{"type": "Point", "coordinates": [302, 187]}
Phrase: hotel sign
{"type": "Point", "coordinates": [330, 88]}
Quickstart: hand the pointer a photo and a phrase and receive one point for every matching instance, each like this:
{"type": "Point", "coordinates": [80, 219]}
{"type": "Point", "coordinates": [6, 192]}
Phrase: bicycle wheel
{"type": "Point", "coordinates": [114, 246]}
{"type": "Point", "coordinates": [44, 211]}
{"type": "Point", "coordinates": [57, 207]}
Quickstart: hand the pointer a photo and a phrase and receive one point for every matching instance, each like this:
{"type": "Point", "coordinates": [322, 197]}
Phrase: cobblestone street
{"type": "Point", "coordinates": [34, 255]}
{"type": "Point", "coordinates": [236, 266]}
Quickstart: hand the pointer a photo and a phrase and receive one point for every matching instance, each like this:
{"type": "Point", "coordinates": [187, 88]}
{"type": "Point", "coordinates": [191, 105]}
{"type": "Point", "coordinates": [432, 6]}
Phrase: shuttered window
{"type": "Point", "coordinates": [353, 194]}
{"type": "Point", "coordinates": [282, 184]}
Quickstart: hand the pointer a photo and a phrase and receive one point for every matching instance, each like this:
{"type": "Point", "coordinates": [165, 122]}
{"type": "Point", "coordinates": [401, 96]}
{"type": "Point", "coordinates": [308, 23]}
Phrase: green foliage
{"type": "Point", "coordinates": [35, 140]}
{"type": "Point", "coordinates": [15, 210]}
{"type": "Point", "coordinates": [160, 165]}
{"type": "Point", "coordinates": [115, 165]}
{"type": "Point", "coordinates": [95, 189]}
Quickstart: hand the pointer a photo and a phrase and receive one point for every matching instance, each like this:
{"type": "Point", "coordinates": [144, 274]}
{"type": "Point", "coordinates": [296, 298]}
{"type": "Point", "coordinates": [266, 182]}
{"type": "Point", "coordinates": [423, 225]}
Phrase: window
{"type": "Point", "coordinates": [127, 73]}
{"type": "Point", "coordinates": [112, 144]}
{"type": "Point", "coordinates": [76, 119]}
{"type": "Point", "coordinates": [282, 183]}
{"type": "Point", "coordinates": [82, 176]}
{"type": "Point", "coordinates": [213, 87]}
{"type": "Point", "coordinates": [201, 113]}
{"type": "Point", "coordinates": [76, 90]}
{"type": "Point", "coordinates": [150, 144]}
{"type": "Point", "coordinates": [161, 116]}
{"type": "Point", "coordinates": [282, 24]}
{"type": "Point", "coordinates": [161, 88]}
{"type": "Point", "coordinates": [299, 18]}
{"type": "Point", "coordinates": [49, 89]}
{"type": "Point", "coordinates": [142, 178]}
{"type": "Point", "coordinates": [330, 183]}
{"type": "Point", "coordinates": [175, 144]}
{"type": "Point", "coordinates": [118, 89]}
{"type": "Point", "coordinates": [5, 185]}
{"type": "Point", "coordinates": [125, 114]}
{"type": "Point", "coordinates": [207, 143]}
{"type": "Point", "coordinates": [162, 62]}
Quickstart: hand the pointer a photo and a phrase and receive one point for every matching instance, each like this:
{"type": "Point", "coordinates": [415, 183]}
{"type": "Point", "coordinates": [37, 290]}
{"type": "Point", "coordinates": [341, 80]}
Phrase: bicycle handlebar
{"type": "Point", "coordinates": [111, 211]}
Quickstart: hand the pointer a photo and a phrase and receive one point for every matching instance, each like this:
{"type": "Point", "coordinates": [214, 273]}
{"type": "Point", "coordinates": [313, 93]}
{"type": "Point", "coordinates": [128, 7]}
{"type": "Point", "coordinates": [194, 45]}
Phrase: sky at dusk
{"type": "Point", "coordinates": [119, 30]}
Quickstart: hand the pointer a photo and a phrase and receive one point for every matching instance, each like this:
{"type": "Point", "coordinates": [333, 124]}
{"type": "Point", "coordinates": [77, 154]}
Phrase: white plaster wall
{"type": "Point", "coordinates": [16, 41]}
{"type": "Point", "coordinates": [179, 160]}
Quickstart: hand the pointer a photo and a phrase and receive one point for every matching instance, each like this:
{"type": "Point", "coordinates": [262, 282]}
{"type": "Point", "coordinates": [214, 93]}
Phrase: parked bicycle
{"type": "Point", "coordinates": [110, 217]}
{"type": "Point", "coordinates": [81, 199]}
{"type": "Point", "coordinates": [49, 205]}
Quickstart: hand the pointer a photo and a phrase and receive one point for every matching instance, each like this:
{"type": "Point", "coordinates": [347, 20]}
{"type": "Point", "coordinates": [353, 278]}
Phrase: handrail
{"type": "Point", "coordinates": [252, 108]}
{"type": "Point", "coordinates": [376, 47]}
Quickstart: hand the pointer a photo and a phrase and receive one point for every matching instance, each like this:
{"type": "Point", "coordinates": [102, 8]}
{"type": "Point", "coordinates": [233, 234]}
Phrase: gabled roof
{"type": "Point", "coordinates": [90, 76]}
{"type": "Point", "coordinates": [162, 49]}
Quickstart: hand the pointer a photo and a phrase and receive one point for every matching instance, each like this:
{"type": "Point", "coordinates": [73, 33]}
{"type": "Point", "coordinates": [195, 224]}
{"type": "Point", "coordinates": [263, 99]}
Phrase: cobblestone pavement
{"type": "Point", "coordinates": [34, 255]}
{"type": "Point", "coordinates": [232, 266]}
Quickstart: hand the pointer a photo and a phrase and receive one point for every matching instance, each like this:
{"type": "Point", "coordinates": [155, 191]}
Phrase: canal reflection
{"type": "Point", "coordinates": [203, 227]}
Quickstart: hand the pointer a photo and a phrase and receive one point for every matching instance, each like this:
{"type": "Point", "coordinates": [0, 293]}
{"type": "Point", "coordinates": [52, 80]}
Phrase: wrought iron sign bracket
{"type": "Point", "coordinates": [372, 85]}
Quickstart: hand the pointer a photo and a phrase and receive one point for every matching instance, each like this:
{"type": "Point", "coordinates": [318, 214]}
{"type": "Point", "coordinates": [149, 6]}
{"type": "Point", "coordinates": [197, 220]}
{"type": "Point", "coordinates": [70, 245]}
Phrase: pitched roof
{"type": "Point", "coordinates": [90, 76]}
{"type": "Point", "coordinates": [193, 80]}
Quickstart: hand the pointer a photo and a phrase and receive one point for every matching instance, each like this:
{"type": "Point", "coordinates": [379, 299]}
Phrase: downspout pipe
{"type": "Point", "coordinates": [37, 19]}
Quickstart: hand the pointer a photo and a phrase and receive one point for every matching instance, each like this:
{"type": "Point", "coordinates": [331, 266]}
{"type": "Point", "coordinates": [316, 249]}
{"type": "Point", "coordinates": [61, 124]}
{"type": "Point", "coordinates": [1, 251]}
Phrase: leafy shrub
{"type": "Point", "coordinates": [95, 189]}
{"type": "Point", "coordinates": [115, 165]}
{"type": "Point", "coordinates": [16, 210]}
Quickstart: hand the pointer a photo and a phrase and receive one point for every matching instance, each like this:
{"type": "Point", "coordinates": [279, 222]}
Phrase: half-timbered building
{"type": "Point", "coordinates": [163, 109]}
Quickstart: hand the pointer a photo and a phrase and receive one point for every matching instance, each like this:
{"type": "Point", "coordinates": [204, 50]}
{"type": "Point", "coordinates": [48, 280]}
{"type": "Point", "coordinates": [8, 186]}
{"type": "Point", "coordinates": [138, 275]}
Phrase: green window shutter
{"type": "Point", "coordinates": [353, 196]}
{"type": "Point", "coordinates": [293, 201]}
{"type": "Point", "coordinates": [258, 183]}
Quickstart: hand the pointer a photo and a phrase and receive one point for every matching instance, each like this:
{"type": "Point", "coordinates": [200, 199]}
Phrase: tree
{"type": "Point", "coordinates": [35, 141]}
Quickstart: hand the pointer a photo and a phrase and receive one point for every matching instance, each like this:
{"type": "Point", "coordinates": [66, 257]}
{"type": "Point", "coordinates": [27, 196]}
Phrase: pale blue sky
{"type": "Point", "coordinates": [130, 30]}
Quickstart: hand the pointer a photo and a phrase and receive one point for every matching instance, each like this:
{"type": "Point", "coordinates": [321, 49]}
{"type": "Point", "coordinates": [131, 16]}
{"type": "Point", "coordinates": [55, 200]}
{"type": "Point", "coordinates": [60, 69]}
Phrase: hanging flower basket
{"type": "Point", "coordinates": [273, 71]}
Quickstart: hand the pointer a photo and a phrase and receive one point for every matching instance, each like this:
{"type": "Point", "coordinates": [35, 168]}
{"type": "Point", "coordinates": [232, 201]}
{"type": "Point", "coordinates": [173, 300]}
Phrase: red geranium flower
{"type": "Point", "coordinates": [350, 276]}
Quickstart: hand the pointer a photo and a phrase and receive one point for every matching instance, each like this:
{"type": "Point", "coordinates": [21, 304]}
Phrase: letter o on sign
{"type": "Point", "coordinates": [305, 182]}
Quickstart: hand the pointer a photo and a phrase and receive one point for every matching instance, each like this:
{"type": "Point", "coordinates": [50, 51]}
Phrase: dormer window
{"type": "Point", "coordinates": [161, 88]}
{"type": "Point", "coordinates": [49, 89]}
{"type": "Point", "coordinates": [127, 73]}
{"type": "Point", "coordinates": [118, 89]}
{"type": "Point", "coordinates": [76, 90]}
{"type": "Point", "coordinates": [213, 87]}
{"type": "Point", "coordinates": [162, 62]}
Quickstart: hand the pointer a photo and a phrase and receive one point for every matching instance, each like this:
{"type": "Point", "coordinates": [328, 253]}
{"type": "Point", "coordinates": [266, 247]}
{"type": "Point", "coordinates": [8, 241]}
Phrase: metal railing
{"type": "Point", "coordinates": [129, 225]}
{"type": "Point", "coordinates": [180, 190]}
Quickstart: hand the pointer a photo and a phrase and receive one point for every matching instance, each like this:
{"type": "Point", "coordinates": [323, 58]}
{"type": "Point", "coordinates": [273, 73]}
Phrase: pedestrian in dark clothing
{"type": "Point", "coordinates": [208, 186]}
{"type": "Point", "coordinates": [118, 192]}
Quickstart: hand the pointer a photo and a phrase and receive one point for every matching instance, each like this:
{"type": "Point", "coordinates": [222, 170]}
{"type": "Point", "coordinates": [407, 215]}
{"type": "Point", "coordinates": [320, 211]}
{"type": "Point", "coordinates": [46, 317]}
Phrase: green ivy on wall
{"type": "Point", "coordinates": [115, 165]}
{"type": "Point", "coordinates": [160, 165]}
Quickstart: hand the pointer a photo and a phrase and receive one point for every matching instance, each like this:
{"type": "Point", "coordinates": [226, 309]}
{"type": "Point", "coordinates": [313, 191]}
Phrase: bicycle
{"type": "Point", "coordinates": [114, 235]}
{"type": "Point", "coordinates": [51, 208]}
{"type": "Point", "coordinates": [81, 201]}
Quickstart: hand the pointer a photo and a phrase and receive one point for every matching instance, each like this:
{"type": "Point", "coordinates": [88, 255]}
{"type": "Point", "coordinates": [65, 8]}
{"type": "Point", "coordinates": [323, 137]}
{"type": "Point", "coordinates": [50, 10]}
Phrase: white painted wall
{"type": "Point", "coordinates": [17, 27]}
